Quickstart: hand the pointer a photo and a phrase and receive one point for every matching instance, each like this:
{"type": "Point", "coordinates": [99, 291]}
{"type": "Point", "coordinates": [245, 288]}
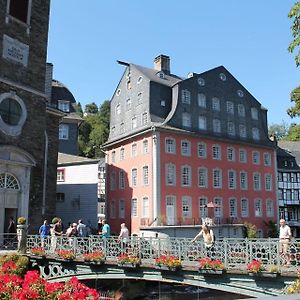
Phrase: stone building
{"type": "Point", "coordinates": [28, 127]}
{"type": "Point", "coordinates": [183, 151]}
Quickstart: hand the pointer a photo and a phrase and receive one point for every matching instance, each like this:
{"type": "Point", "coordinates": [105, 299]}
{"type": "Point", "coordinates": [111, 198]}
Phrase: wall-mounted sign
{"type": "Point", "coordinates": [15, 51]}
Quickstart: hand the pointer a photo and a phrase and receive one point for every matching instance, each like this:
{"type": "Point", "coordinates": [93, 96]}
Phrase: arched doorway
{"type": "Point", "coordinates": [15, 171]}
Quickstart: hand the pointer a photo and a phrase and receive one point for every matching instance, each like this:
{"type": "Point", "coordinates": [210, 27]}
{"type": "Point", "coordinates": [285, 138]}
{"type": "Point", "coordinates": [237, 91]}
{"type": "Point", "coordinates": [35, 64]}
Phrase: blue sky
{"type": "Point", "coordinates": [249, 38]}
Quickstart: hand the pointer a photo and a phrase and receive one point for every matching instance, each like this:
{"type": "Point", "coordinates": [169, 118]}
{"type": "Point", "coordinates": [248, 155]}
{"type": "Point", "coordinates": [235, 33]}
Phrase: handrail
{"type": "Point", "coordinates": [233, 252]}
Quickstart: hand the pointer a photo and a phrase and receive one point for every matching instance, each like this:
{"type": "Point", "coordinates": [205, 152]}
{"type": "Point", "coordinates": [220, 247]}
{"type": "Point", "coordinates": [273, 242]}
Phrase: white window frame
{"type": "Point", "coordinates": [255, 157]}
{"type": "Point", "coordinates": [258, 208]}
{"type": "Point", "coordinates": [241, 110]}
{"type": "Point", "coordinates": [216, 126]}
{"type": "Point", "coordinates": [215, 104]}
{"type": "Point", "coordinates": [145, 171]}
{"type": "Point", "coordinates": [134, 207]}
{"type": "Point", "coordinates": [170, 146]}
{"type": "Point", "coordinates": [60, 175]}
{"type": "Point", "coordinates": [121, 179]}
{"type": "Point", "coordinates": [216, 152]}
{"type": "Point", "coordinates": [268, 182]}
{"type": "Point", "coordinates": [134, 150]}
{"type": "Point", "coordinates": [243, 155]}
{"type": "Point", "coordinates": [230, 107]}
{"type": "Point", "coordinates": [118, 109]}
{"type": "Point", "coordinates": [244, 208]}
{"type": "Point", "coordinates": [63, 105]}
{"type": "Point", "coordinates": [202, 123]}
{"type": "Point", "coordinates": [202, 150]}
{"type": "Point", "coordinates": [186, 96]}
{"type": "Point", "coordinates": [134, 122]}
{"type": "Point", "coordinates": [270, 208]}
{"type": "Point", "coordinates": [231, 128]}
{"type": "Point", "coordinates": [186, 119]}
{"type": "Point", "coordinates": [122, 209]}
{"type": "Point", "coordinates": [230, 154]}
{"type": "Point", "coordinates": [63, 132]}
{"type": "Point", "coordinates": [256, 181]}
{"type": "Point", "coordinates": [232, 207]}
{"type": "Point", "coordinates": [231, 179]}
{"type": "Point", "coordinates": [201, 100]}
{"type": "Point", "coordinates": [134, 175]}
{"type": "Point", "coordinates": [144, 118]}
{"type": "Point", "coordinates": [186, 206]}
{"type": "Point", "coordinates": [267, 159]}
{"type": "Point", "coordinates": [218, 210]}
{"type": "Point", "coordinates": [243, 180]}
{"type": "Point", "coordinates": [254, 113]}
{"type": "Point", "coordinates": [145, 146]}
{"type": "Point", "coordinates": [217, 178]}
{"type": "Point", "coordinates": [170, 174]}
{"type": "Point", "coordinates": [122, 153]}
{"type": "Point", "coordinates": [242, 131]}
{"type": "Point", "coordinates": [202, 177]}
{"type": "Point", "coordinates": [255, 134]}
{"type": "Point", "coordinates": [145, 207]}
{"type": "Point", "coordinates": [128, 104]}
{"type": "Point", "coordinates": [185, 148]}
{"type": "Point", "coordinates": [186, 176]}
{"type": "Point", "coordinates": [113, 156]}
{"type": "Point", "coordinates": [203, 209]}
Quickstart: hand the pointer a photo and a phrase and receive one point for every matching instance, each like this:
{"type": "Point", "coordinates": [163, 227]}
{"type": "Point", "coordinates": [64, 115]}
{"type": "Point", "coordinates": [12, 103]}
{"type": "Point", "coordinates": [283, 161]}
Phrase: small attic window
{"type": "Point", "coordinates": [222, 76]}
{"type": "Point", "coordinates": [162, 103]}
{"type": "Point", "coordinates": [160, 74]}
{"type": "Point", "coordinates": [201, 81]}
{"type": "Point", "coordinates": [140, 79]}
{"type": "Point", "coordinates": [240, 93]}
{"type": "Point", "coordinates": [118, 92]}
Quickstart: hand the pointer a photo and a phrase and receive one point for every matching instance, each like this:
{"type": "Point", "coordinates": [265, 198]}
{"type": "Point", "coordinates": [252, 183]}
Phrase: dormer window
{"type": "Point", "coordinates": [64, 105]}
{"type": "Point", "coordinates": [160, 74]}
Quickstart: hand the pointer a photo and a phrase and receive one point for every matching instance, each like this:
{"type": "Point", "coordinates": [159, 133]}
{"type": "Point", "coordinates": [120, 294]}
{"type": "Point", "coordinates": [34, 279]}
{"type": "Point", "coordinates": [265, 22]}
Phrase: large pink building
{"type": "Point", "coordinates": [181, 150]}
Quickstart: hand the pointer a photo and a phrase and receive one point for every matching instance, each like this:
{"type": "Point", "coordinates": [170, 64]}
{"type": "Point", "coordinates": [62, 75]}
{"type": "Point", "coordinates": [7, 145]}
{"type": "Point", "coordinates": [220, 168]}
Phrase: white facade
{"type": "Point", "coordinates": [77, 190]}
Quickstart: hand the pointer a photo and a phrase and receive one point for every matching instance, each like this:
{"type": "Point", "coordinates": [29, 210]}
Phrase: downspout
{"type": "Point", "coordinates": [45, 173]}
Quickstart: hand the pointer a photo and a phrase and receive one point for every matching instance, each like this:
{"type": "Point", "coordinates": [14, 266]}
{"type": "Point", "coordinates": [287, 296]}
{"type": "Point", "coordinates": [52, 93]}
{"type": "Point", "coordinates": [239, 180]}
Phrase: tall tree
{"type": "Point", "coordinates": [91, 108]}
{"type": "Point", "coordinates": [94, 131]}
{"type": "Point", "coordinates": [294, 14]}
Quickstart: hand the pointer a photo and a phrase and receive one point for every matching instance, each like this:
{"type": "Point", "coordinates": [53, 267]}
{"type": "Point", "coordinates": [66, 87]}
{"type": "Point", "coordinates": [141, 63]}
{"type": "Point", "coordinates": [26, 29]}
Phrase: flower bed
{"type": "Point", "coordinates": [94, 257]}
{"type": "Point", "coordinates": [38, 251]}
{"type": "Point", "coordinates": [66, 254]}
{"type": "Point", "coordinates": [169, 262]}
{"type": "Point", "coordinates": [32, 286]}
{"type": "Point", "coordinates": [125, 259]}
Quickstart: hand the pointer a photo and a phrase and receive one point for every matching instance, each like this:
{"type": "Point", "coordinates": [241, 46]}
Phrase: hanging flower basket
{"type": "Point", "coordinates": [208, 266]}
{"type": "Point", "coordinates": [168, 263]}
{"type": "Point", "coordinates": [38, 252]}
{"type": "Point", "coordinates": [96, 257]}
{"type": "Point", "coordinates": [67, 255]}
{"type": "Point", "coordinates": [128, 261]}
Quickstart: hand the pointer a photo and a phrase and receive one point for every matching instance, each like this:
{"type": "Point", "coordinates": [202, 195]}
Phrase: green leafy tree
{"type": "Point", "coordinates": [78, 109]}
{"type": "Point", "coordinates": [294, 132]}
{"type": "Point", "coordinates": [280, 131]}
{"type": "Point", "coordinates": [250, 230]}
{"type": "Point", "coordinates": [94, 131]}
{"type": "Point", "coordinates": [294, 14]}
{"type": "Point", "coordinates": [91, 108]}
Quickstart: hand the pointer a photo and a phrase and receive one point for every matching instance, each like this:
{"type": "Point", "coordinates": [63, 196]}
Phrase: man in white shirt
{"type": "Point", "coordinates": [285, 236]}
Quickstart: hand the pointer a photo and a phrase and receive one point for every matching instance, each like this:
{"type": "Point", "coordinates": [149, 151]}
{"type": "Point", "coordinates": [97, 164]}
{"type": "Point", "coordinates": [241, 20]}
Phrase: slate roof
{"type": "Point", "coordinates": [292, 147]}
{"type": "Point", "coordinates": [168, 80]}
{"type": "Point", "coordinates": [68, 159]}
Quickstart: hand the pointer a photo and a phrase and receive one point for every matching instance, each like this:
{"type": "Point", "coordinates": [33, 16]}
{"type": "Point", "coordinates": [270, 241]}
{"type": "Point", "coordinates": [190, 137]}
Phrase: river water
{"type": "Point", "coordinates": [147, 290]}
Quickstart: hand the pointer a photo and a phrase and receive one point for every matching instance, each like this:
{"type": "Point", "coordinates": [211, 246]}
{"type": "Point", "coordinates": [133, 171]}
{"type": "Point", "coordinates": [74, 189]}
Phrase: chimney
{"type": "Point", "coordinates": [48, 81]}
{"type": "Point", "coordinates": [162, 63]}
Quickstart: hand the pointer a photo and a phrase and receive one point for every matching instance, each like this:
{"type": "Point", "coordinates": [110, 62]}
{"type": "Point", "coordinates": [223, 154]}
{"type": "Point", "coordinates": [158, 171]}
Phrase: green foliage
{"type": "Point", "coordinates": [280, 131]}
{"type": "Point", "coordinates": [294, 14]}
{"type": "Point", "coordinates": [250, 230]}
{"type": "Point", "coordinates": [94, 132]}
{"type": "Point", "coordinates": [294, 132]}
{"type": "Point", "coordinates": [294, 111]}
{"type": "Point", "coordinates": [272, 229]}
{"type": "Point", "coordinates": [78, 109]}
{"type": "Point", "coordinates": [91, 108]}
{"type": "Point", "coordinates": [22, 262]}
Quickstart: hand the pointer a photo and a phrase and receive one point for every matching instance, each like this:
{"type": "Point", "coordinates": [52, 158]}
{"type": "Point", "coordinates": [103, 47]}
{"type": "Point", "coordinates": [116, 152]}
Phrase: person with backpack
{"type": "Point", "coordinates": [208, 238]}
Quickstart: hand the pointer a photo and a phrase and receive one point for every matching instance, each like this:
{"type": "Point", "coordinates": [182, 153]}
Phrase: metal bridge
{"type": "Point", "coordinates": [234, 253]}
